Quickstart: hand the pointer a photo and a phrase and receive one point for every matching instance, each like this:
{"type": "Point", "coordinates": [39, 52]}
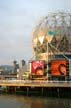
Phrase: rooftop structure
{"type": "Point", "coordinates": [52, 36]}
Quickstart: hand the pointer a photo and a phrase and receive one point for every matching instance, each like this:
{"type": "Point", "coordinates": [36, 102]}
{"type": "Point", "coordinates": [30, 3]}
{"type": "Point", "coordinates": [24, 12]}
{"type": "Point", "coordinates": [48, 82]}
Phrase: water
{"type": "Point", "coordinates": [13, 101]}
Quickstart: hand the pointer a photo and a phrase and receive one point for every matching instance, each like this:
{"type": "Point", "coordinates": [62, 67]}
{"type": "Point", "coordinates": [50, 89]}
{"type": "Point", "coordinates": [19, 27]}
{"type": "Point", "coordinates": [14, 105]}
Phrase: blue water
{"type": "Point", "coordinates": [12, 101]}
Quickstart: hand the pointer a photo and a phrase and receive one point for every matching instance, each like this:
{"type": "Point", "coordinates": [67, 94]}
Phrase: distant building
{"type": "Point", "coordinates": [22, 68]}
{"type": "Point", "coordinates": [23, 62]}
{"type": "Point", "coordinates": [15, 67]}
{"type": "Point", "coordinates": [1, 70]}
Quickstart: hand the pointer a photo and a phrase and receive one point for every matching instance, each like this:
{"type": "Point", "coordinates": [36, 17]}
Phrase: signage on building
{"type": "Point", "coordinates": [37, 67]}
{"type": "Point", "coordinates": [58, 67]}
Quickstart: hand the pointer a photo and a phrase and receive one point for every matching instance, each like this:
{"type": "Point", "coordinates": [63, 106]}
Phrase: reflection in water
{"type": "Point", "coordinates": [11, 101]}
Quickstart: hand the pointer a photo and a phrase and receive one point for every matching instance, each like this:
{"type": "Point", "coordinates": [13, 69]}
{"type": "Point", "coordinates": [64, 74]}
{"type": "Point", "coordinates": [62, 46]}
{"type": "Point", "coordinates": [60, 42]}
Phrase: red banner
{"type": "Point", "coordinates": [37, 67]}
{"type": "Point", "coordinates": [58, 67]}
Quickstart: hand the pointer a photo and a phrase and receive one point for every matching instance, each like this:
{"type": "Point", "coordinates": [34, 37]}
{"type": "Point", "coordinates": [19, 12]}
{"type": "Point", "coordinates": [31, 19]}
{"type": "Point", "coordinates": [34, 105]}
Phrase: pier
{"type": "Point", "coordinates": [36, 87]}
{"type": "Point", "coordinates": [34, 83]}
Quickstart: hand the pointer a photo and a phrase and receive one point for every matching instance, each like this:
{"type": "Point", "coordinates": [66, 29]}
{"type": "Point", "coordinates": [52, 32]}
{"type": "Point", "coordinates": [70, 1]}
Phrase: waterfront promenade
{"type": "Point", "coordinates": [34, 83]}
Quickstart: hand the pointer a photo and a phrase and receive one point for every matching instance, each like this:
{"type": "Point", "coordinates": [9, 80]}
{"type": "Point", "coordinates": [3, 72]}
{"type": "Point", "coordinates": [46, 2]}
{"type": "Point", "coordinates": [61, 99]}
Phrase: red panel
{"type": "Point", "coordinates": [58, 67]}
{"type": "Point", "coordinates": [37, 67]}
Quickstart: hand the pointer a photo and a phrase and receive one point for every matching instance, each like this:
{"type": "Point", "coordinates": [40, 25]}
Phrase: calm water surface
{"type": "Point", "coordinates": [12, 101]}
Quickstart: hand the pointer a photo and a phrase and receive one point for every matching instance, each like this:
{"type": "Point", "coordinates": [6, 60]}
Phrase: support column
{"type": "Point", "coordinates": [7, 89]}
{"type": "Point", "coordinates": [27, 91]}
{"type": "Point", "coordinates": [15, 89]}
{"type": "Point", "coordinates": [58, 92]}
{"type": "Point", "coordinates": [42, 90]}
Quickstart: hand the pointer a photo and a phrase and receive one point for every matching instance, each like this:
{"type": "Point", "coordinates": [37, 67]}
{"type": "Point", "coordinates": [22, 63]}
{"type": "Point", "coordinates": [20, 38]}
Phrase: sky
{"type": "Point", "coordinates": [18, 18]}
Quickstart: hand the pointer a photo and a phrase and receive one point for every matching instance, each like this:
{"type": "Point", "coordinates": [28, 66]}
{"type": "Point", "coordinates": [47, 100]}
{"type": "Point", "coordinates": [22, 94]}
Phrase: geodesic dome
{"type": "Point", "coordinates": [53, 34]}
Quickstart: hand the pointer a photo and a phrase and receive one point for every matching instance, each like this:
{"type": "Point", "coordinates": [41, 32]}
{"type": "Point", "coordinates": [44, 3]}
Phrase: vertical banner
{"type": "Point", "coordinates": [58, 67]}
{"type": "Point", "coordinates": [37, 67]}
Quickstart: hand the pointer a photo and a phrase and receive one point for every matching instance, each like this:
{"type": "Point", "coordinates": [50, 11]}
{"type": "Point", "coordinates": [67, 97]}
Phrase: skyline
{"type": "Point", "coordinates": [18, 18]}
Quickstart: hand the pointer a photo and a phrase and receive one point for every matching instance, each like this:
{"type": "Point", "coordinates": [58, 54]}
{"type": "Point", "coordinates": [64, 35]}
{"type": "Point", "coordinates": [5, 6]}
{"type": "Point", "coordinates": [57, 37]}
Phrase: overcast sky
{"type": "Point", "coordinates": [18, 18]}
